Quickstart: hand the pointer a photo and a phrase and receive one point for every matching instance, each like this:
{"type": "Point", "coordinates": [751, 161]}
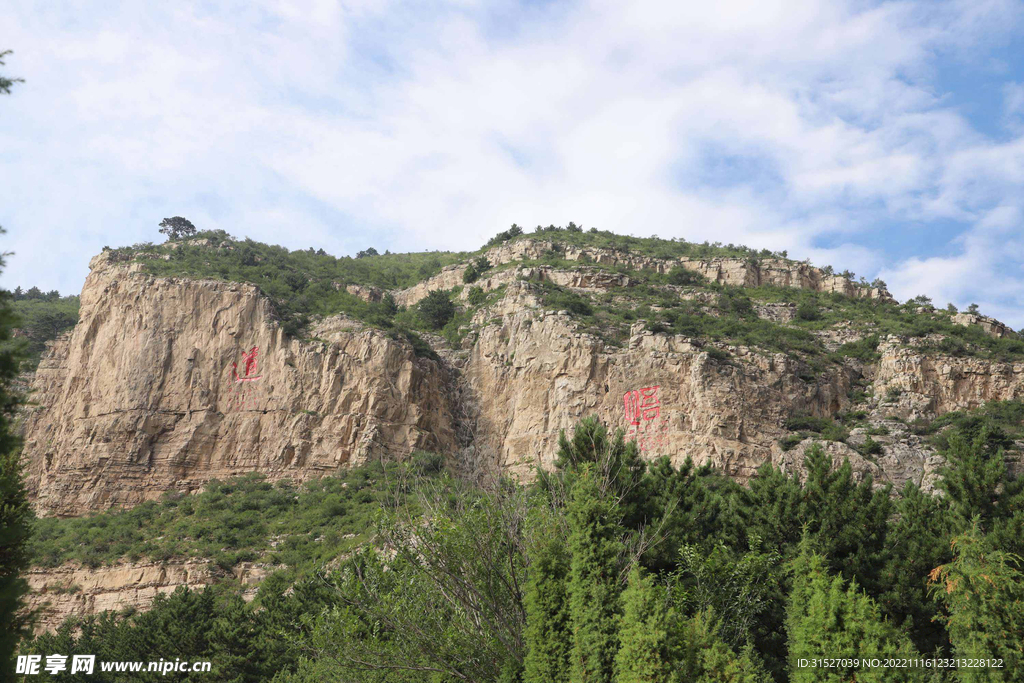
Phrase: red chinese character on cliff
{"type": "Point", "coordinates": [642, 404]}
{"type": "Point", "coordinates": [642, 407]}
{"type": "Point", "coordinates": [248, 367]}
{"type": "Point", "coordinates": [241, 395]}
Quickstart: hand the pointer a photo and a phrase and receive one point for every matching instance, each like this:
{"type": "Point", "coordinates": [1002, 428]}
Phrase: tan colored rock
{"type": "Point", "coordinates": [73, 590]}
{"type": "Point", "coordinates": [930, 385]}
{"type": "Point", "coordinates": [366, 293]}
{"type": "Point", "coordinates": [991, 326]}
{"type": "Point", "coordinates": [532, 374]}
{"type": "Point", "coordinates": [728, 271]}
{"type": "Point", "coordinates": [141, 397]}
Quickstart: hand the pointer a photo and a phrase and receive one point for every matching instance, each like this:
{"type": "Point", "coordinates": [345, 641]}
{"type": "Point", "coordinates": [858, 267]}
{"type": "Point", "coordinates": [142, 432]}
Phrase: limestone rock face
{"type": "Point", "coordinates": [727, 271]}
{"type": "Point", "coordinates": [991, 326]}
{"type": "Point", "coordinates": [73, 590]}
{"type": "Point", "coordinates": [929, 385]}
{"type": "Point", "coordinates": [532, 374]}
{"type": "Point", "coordinates": [166, 383]}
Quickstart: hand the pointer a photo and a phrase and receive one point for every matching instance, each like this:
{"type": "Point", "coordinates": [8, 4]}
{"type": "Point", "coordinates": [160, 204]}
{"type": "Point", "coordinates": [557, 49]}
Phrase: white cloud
{"type": "Point", "coordinates": [411, 126]}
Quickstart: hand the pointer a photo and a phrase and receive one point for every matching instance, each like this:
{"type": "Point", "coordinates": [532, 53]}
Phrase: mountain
{"type": "Point", "coordinates": [212, 357]}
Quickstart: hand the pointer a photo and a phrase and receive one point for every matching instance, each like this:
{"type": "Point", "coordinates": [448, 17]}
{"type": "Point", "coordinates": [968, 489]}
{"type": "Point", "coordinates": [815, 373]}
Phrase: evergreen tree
{"type": "Point", "coordinates": [975, 478]}
{"type": "Point", "coordinates": [594, 546]}
{"type": "Point", "coordinates": [703, 657]}
{"type": "Point", "coordinates": [437, 309]}
{"type": "Point", "coordinates": [919, 538]}
{"type": "Point", "coordinates": [547, 632]}
{"type": "Point", "coordinates": [15, 514]}
{"type": "Point", "coordinates": [177, 227]}
{"type": "Point", "coordinates": [828, 618]}
{"type": "Point", "coordinates": [983, 592]}
{"type": "Point", "coordinates": [688, 506]}
{"type": "Point", "coordinates": [644, 645]}
{"type": "Point", "coordinates": [615, 463]}
{"type": "Point", "coordinates": [847, 520]}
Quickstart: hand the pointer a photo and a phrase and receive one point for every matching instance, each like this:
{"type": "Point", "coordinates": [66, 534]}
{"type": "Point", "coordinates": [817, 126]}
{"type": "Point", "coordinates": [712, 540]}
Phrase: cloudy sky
{"type": "Point", "coordinates": [883, 137]}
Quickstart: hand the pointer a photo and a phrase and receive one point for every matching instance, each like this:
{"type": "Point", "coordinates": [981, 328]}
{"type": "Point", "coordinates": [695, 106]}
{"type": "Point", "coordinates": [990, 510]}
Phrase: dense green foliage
{"type": "Point", "coordinates": [43, 317]}
{"type": "Point", "coordinates": [437, 309]}
{"type": "Point", "coordinates": [608, 569]}
{"type": "Point", "coordinates": [229, 522]}
{"type": "Point", "coordinates": [302, 283]}
{"type": "Point", "coordinates": [15, 514]}
{"type": "Point", "coordinates": [309, 283]}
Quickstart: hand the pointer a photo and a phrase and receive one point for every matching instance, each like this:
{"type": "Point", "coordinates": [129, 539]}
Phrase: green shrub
{"type": "Point", "coordinates": [717, 354]}
{"type": "Point", "coordinates": [790, 441]}
{"type": "Point", "coordinates": [685, 277]}
{"type": "Point", "coordinates": [476, 296]}
{"type": "Point", "coordinates": [808, 310]}
{"type": "Point", "coordinates": [437, 309]}
{"type": "Point", "coordinates": [865, 349]}
{"type": "Point", "coordinates": [870, 447]}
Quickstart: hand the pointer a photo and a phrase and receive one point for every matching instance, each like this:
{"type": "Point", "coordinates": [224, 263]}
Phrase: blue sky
{"type": "Point", "coordinates": [883, 137]}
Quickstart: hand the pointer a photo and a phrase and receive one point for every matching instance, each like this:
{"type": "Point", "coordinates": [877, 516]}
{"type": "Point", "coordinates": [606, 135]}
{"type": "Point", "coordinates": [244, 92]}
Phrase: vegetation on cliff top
{"type": "Point", "coordinates": [42, 317]}
{"type": "Point", "coordinates": [311, 283]}
{"type": "Point", "coordinates": [610, 568]}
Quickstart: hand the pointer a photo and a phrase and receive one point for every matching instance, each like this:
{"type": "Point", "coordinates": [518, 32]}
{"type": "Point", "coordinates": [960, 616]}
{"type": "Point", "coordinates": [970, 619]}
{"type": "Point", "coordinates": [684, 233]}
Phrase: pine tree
{"type": "Point", "coordinates": [547, 634]}
{"type": "Point", "coordinates": [644, 647]}
{"type": "Point", "coordinates": [919, 538]}
{"type": "Point", "coordinates": [616, 464]}
{"type": "Point", "coordinates": [976, 480]}
{"type": "Point", "coordinates": [703, 657]}
{"type": "Point", "coordinates": [848, 520]}
{"type": "Point", "coordinates": [983, 591]}
{"type": "Point", "coordinates": [15, 514]}
{"type": "Point", "coordinates": [594, 546]}
{"type": "Point", "coordinates": [828, 618]}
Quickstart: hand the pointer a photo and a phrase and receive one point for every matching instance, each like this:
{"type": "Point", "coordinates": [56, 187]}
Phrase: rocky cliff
{"type": "Point", "coordinates": [166, 383]}
{"type": "Point", "coordinates": [169, 382]}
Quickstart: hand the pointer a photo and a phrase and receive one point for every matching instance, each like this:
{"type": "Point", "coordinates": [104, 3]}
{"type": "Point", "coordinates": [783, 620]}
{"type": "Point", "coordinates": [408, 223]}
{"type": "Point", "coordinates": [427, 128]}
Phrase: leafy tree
{"type": "Point", "coordinates": [973, 308]}
{"type": "Point", "coordinates": [441, 595]}
{"type": "Point", "coordinates": [369, 251]}
{"type": "Point", "coordinates": [743, 591]}
{"type": "Point", "coordinates": [645, 653]}
{"type": "Point", "coordinates": [983, 592]}
{"type": "Point", "coordinates": [177, 227]}
{"type": "Point", "coordinates": [594, 546]}
{"type": "Point", "coordinates": [828, 618]}
{"type": "Point", "coordinates": [437, 309]}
